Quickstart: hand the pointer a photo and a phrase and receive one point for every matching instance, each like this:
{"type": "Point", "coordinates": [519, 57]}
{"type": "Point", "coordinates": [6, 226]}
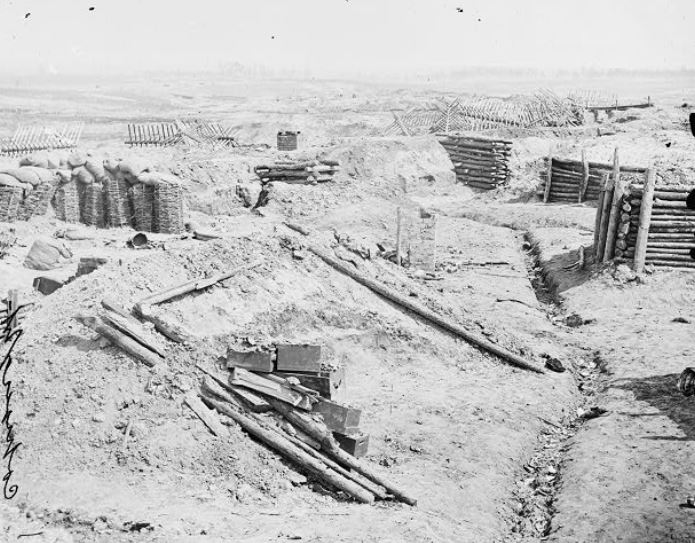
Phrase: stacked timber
{"type": "Point", "coordinates": [577, 180]}
{"type": "Point", "coordinates": [482, 163]}
{"type": "Point", "coordinates": [670, 226]}
{"type": "Point", "coordinates": [300, 173]}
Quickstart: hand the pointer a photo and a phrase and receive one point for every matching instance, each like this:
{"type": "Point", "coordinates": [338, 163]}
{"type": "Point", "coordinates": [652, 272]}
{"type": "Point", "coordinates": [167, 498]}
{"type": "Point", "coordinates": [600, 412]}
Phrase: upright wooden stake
{"type": "Point", "coordinates": [605, 213]}
{"type": "Point", "coordinates": [12, 309]}
{"type": "Point", "coordinates": [585, 181]}
{"type": "Point", "coordinates": [618, 190]}
{"type": "Point", "coordinates": [597, 224]}
{"type": "Point", "coordinates": [645, 217]}
{"type": "Point", "coordinates": [398, 236]}
{"type": "Point", "coordinates": [549, 177]}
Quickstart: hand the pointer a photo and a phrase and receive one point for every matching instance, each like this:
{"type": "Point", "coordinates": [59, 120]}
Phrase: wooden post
{"type": "Point", "coordinates": [615, 210]}
{"type": "Point", "coordinates": [597, 223]}
{"type": "Point", "coordinates": [645, 217]}
{"type": "Point", "coordinates": [585, 181]}
{"type": "Point", "coordinates": [398, 235]}
{"type": "Point", "coordinates": [605, 212]}
{"type": "Point", "coordinates": [549, 177]}
{"type": "Point", "coordinates": [13, 309]}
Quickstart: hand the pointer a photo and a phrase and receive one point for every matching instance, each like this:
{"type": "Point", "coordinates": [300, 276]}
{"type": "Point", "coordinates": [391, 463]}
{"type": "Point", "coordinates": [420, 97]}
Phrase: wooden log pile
{"type": "Point", "coordinates": [657, 226]}
{"type": "Point", "coordinates": [576, 180]}
{"type": "Point", "coordinates": [298, 173]}
{"type": "Point", "coordinates": [482, 163]}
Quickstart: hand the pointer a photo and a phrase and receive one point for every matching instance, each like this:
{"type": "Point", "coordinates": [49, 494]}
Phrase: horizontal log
{"type": "Point", "coordinates": [577, 165]}
{"type": "Point", "coordinates": [121, 340]}
{"type": "Point", "coordinates": [671, 264]}
{"type": "Point", "coordinates": [661, 203]}
{"type": "Point", "coordinates": [672, 212]}
{"type": "Point", "coordinates": [668, 236]}
{"type": "Point", "coordinates": [665, 255]}
{"type": "Point", "coordinates": [664, 188]}
{"type": "Point", "coordinates": [164, 324]}
{"type": "Point", "coordinates": [671, 244]}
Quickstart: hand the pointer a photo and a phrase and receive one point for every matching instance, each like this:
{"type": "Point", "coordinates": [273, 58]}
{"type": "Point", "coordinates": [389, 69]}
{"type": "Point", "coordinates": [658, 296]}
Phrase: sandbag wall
{"type": "Point", "coordinates": [117, 193]}
{"type": "Point", "coordinates": [671, 234]}
{"type": "Point", "coordinates": [576, 181]}
{"type": "Point", "coordinates": [482, 163]}
{"type": "Point", "coordinates": [25, 192]}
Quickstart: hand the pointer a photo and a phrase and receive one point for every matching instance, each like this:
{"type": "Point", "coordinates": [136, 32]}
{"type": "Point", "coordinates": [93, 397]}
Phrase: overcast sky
{"type": "Point", "coordinates": [333, 37]}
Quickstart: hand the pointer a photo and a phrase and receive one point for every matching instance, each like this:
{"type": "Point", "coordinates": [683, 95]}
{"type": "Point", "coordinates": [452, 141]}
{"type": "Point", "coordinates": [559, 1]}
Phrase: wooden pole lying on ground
{"type": "Point", "coordinates": [331, 448]}
{"type": "Point", "coordinates": [645, 215]}
{"type": "Point", "coordinates": [290, 451]}
{"type": "Point", "coordinates": [421, 310]}
{"type": "Point", "coordinates": [134, 330]}
{"type": "Point", "coordinates": [549, 176]}
{"type": "Point", "coordinates": [195, 284]}
{"type": "Point", "coordinates": [165, 326]}
{"type": "Point", "coordinates": [121, 340]}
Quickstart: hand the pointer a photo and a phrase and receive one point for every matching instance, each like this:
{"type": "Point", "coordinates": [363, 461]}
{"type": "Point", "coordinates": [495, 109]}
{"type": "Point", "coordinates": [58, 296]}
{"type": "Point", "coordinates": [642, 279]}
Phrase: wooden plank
{"type": "Point", "coordinates": [268, 387]}
{"type": "Point", "coordinates": [208, 416]}
{"type": "Point", "coordinates": [137, 332]}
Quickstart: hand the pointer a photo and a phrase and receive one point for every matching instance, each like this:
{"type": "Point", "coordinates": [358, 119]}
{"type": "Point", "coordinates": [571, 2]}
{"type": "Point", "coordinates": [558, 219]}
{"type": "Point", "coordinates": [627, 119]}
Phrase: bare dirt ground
{"type": "Point", "coordinates": [493, 453]}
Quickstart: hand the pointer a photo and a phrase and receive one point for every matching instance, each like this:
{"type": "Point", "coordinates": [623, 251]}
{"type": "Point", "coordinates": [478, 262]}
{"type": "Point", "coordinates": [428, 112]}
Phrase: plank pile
{"type": "Point", "coordinates": [295, 374]}
{"type": "Point", "coordinates": [576, 180]}
{"type": "Point", "coordinates": [670, 235]}
{"type": "Point", "coordinates": [299, 173]}
{"type": "Point", "coordinates": [294, 420]}
{"type": "Point", "coordinates": [479, 162]}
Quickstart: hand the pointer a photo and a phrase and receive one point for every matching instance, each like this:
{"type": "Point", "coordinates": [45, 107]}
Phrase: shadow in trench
{"type": "Point", "coordinates": [660, 392]}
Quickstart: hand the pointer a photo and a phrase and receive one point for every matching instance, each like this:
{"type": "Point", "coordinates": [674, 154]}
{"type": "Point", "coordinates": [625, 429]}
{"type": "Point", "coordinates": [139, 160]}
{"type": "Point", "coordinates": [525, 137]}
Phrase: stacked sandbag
{"type": "Point", "coordinates": [11, 196]}
{"type": "Point", "coordinates": [101, 193]}
{"type": "Point", "coordinates": [66, 200]}
{"type": "Point", "coordinates": [119, 208]}
{"type": "Point", "coordinates": [25, 191]}
{"type": "Point", "coordinates": [37, 200]}
{"type": "Point", "coordinates": [168, 207]}
{"type": "Point", "coordinates": [143, 206]}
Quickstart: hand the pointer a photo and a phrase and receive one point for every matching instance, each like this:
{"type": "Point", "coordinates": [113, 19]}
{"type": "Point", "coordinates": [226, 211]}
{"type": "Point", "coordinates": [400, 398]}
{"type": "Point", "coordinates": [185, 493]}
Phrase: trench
{"type": "Point", "coordinates": [539, 480]}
